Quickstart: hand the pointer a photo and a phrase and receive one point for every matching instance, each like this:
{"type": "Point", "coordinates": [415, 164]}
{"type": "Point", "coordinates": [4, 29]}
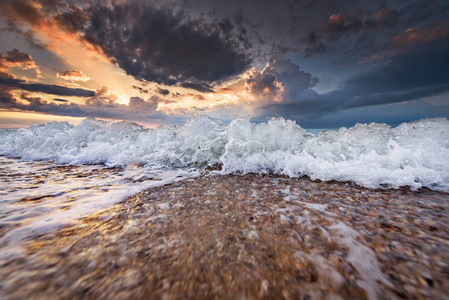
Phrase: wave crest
{"type": "Point", "coordinates": [414, 154]}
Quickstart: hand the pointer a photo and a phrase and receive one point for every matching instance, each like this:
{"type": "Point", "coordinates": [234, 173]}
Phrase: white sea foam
{"type": "Point", "coordinates": [39, 197]}
{"type": "Point", "coordinates": [413, 154]}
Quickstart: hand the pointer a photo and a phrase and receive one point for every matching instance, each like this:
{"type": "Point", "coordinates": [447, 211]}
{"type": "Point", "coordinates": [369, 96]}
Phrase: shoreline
{"type": "Point", "coordinates": [246, 236]}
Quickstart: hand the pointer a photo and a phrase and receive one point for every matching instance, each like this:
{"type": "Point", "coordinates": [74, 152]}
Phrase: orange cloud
{"type": "Point", "coordinates": [254, 86]}
{"type": "Point", "coordinates": [17, 59]}
{"type": "Point", "coordinates": [413, 36]}
{"type": "Point", "coordinates": [28, 11]}
{"type": "Point", "coordinates": [56, 29]}
{"type": "Point", "coordinates": [335, 19]}
{"type": "Point", "coordinates": [264, 84]}
{"type": "Point", "coordinates": [73, 75]}
{"type": "Point", "coordinates": [409, 38]}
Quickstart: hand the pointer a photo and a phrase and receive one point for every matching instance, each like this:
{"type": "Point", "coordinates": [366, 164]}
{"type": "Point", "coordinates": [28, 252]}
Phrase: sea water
{"type": "Point", "coordinates": [55, 173]}
{"type": "Point", "coordinates": [414, 154]}
{"type": "Point", "coordinates": [41, 196]}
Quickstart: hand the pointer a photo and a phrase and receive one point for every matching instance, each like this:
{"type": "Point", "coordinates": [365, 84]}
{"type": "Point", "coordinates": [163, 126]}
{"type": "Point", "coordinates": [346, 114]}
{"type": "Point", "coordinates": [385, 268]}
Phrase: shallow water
{"type": "Point", "coordinates": [39, 197]}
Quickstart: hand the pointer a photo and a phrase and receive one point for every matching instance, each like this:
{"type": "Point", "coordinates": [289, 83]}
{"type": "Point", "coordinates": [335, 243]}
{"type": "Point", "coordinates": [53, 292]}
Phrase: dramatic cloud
{"type": "Point", "coordinates": [366, 33]}
{"type": "Point", "coordinates": [385, 17]}
{"type": "Point", "coordinates": [264, 85]}
{"type": "Point", "coordinates": [12, 83]}
{"type": "Point", "coordinates": [337, 25]}
{"type": "Point", "coordinates": [73, 75]}
{"type": "Point", "coordinates": [101, 105]}
{"type": "Point", "coordinates": [295, 81]}
{"type": "Point", "coordinates": [154, 45]}
{"type": "Point", "coordinates": [6, 97]}
{"type": "Point", "coordinates": [22, 11]}
{"type": "Point", "coordinates": [240, 57]}
{"type": "Point", "coordinates": [281, 81]}
{"type": "Point", "coordinates": [407, 77]}
{"type": "Point", "coordinates": [17, 59]}
{"type": "Point", "coordinates": [314, 46]}
{"type": "Point", "coordinates": [73, 19]}
{"type": "Point", "coordinates": [426, 35]}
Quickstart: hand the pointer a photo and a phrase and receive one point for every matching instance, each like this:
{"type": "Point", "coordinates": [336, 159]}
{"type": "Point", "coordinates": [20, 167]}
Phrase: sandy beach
{"type": "Point", "coordinates": [245, 237]}
{"type": "Point", "coordinates": [240, 149]}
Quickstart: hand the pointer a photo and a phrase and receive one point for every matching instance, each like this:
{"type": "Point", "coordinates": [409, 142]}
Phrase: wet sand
{"type": "Point", "coordinates": [245, 237]}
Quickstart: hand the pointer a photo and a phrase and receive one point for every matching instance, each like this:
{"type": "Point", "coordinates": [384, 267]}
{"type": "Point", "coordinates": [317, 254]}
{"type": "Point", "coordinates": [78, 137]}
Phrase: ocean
{"type": "Point", "coordinates": [55, 174]}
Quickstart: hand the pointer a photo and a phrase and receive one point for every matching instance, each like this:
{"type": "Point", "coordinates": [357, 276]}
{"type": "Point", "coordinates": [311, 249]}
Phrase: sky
{"type": "Point", "coordinates": [323, 63]}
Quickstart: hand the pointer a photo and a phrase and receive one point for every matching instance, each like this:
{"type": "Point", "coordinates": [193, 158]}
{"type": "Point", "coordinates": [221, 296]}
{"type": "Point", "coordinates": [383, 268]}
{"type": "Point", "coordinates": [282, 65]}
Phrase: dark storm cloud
{"type": "Point", "coordinates": [314, 45]}
{"type": "Point", "coordinates": [338, 25]}
{"type": "Point", "coordinates": [290, 74]}
{"type": "Point", "coordinates": [200, 87]}
{"type": "Point", "coordinates": [72, 20]}
{"type": "Point", "coordinates": [423, 71]}
{"type": "Point", "coordinates": [413, 75]}
{"type": "Point", "coordinates": [149, 43]}
{"type": "Point", "coordinates": [385, 17]}
{"type": "Point", "coordinates": [149, 40]}
{"type": "Point", "coordinates": [281, 80]}
{"type": "Point", "coordinates": [201, 41]}
{"type": "Point", "coordinates": [153, 45]}
{"type": "Point", "coordinates": [318, 48]}
{"type": "Point", "coordinates": [363, 32]}
{"type": "Point", "coordinates": [198, 43]}
{"type": "Point", "coordinates": [279, 29]}
{"type": "Point", "coordinates": [11, 83]}
{"type": "Point", "coordinates": [417, 12]}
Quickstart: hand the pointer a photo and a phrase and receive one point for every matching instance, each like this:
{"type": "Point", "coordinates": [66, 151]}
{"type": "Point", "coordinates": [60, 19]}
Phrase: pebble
{"type": "Point", "coordinates": [235, 237]}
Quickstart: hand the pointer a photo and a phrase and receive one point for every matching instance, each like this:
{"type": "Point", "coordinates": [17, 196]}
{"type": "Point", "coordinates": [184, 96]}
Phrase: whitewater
{"type": "Point", "coordinates": [54, 174]}
{"type": "Point", "coordinates": [414, 154]}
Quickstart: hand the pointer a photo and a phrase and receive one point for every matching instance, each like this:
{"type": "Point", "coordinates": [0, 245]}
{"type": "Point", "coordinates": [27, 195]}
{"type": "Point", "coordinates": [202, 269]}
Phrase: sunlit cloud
{"type": "Point", "coordinates": [139, 60]}
{"type": "Point", "coordinates": [17, 59]}
{"type": "Point", "coordinates": [425, 35]}
{"type": "Point", "coordinates": [73, 75]}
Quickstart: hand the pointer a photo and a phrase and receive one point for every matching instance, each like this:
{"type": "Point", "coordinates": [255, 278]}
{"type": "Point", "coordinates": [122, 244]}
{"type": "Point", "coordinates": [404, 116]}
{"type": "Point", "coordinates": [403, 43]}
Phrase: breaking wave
{"type": "Point", "coordinates": [414, 154]}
